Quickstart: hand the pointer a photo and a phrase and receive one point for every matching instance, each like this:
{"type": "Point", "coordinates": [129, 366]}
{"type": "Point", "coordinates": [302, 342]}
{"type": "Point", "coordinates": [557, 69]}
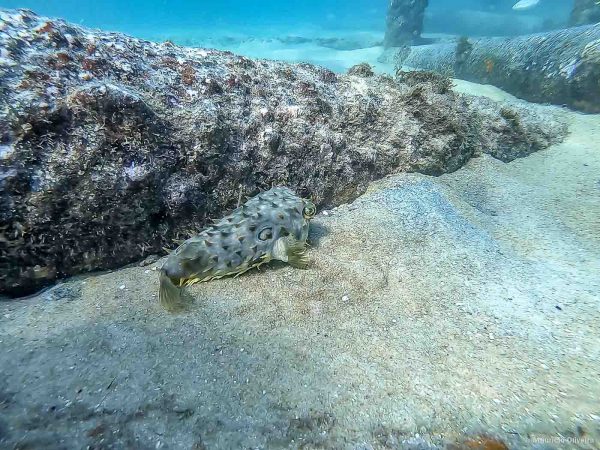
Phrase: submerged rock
{"type": "Point", "coordinates": [111, 147]}
{"type": "Point", "coordinates": [585, 12]}
{"type": "Point", "coordinates": [361, 70]}
{"type": "Point", "coordinates": [404, 22]}
{"type": "Point", "coordinates": [560, 67]}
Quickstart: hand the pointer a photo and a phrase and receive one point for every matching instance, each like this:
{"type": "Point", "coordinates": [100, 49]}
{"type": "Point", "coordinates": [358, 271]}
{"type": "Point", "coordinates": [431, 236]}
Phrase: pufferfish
{"type": "Point", "coordinates": [272, 225]}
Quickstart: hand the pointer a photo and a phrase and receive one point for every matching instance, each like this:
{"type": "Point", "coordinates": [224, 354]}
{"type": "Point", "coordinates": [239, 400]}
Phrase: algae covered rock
{"type": "Point", "coordinates": [112, 147]}
{"type": "Point", "coordinates": [585, 12]}
{"type": "Point", "coordinates": [560, 67]}
{"type": "Point", "coordinates": [361, 70]}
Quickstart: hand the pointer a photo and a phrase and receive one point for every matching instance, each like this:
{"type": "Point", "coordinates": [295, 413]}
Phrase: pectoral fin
{"type": "Point", "coordinates": [296, 253]}
{"type": "Point", "coordinates": [169, 294]}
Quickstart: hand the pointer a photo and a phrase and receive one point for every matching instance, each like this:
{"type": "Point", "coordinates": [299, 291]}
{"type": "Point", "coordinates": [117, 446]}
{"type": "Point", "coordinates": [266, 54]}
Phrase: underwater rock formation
{"type": "Point", "coordinates": [112, 147]}
{"type": "Point", "coordinates": [560, 67]}
{"type": "Point", "coordinates": [404, 22]}
{"type": "Point", "coordinates": [585, 12]}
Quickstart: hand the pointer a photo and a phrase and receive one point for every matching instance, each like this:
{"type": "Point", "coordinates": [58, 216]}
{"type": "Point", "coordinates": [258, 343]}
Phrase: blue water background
{"type": "Point", "coordinates": [265, 17]}
{"type": "Point", "coordinates": [140, 14]}
{"type": "Point", "coordinates": [332, 33]}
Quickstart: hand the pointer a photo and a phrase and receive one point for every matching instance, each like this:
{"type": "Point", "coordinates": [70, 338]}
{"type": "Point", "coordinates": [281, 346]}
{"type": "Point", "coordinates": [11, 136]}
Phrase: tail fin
{"type": "Point", "coordinates": [169, 295]}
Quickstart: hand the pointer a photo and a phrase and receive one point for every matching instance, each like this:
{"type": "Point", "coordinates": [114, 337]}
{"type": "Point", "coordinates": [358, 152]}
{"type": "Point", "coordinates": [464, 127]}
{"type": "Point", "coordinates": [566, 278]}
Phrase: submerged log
{"type": "Point", "coordinates": [560, 67]}
{"type": "Point", "coordinates": [112, 147]}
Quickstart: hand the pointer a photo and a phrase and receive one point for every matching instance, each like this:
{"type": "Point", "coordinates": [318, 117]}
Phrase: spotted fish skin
{"type": "Point", "coordinates": [272, 225]}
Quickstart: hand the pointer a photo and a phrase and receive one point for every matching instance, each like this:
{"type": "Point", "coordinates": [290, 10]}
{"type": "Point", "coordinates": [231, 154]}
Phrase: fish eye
{"type": "Point", "coordinates": [309, 210]}
{"type": "Point", "coordinates": [265, 234]}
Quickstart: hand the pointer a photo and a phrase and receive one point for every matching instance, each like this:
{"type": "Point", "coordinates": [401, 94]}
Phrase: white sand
{"type": "Point", "coordinates": [267, 44]}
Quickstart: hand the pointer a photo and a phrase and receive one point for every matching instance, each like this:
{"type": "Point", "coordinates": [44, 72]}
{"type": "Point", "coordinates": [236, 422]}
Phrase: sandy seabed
{"type": "Point", "coordinates": [436, 309]}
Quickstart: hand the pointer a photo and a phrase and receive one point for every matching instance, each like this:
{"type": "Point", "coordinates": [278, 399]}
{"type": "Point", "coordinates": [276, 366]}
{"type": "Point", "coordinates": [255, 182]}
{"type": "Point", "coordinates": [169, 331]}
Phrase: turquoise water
{"type": "Point", "coordinates": [332, 33]}
{"type": "Point", "coordinates": [144, 15]}
{"type": "Point", "coordinates": [267, 17]}
{"type": "Point", "coordinates": [264, 29]}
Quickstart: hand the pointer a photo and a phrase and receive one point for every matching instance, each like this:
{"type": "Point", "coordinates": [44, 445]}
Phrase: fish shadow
{"type": "Point", "coordinates": [315, 233]}
{"type": "Point", "coordinates": [188, 302]}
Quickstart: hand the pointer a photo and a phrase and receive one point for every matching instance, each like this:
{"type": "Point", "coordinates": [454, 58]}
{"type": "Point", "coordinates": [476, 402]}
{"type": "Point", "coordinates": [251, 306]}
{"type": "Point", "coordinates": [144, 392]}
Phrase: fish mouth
{"type": "Point", "coordinates": [291, 250]}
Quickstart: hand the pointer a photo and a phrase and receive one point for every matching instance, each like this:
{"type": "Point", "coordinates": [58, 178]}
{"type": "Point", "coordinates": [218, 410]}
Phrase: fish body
{"type": "Point", "coordinates": [272, 225]}
{"type": "Point", "coordinates": [523, 5]}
